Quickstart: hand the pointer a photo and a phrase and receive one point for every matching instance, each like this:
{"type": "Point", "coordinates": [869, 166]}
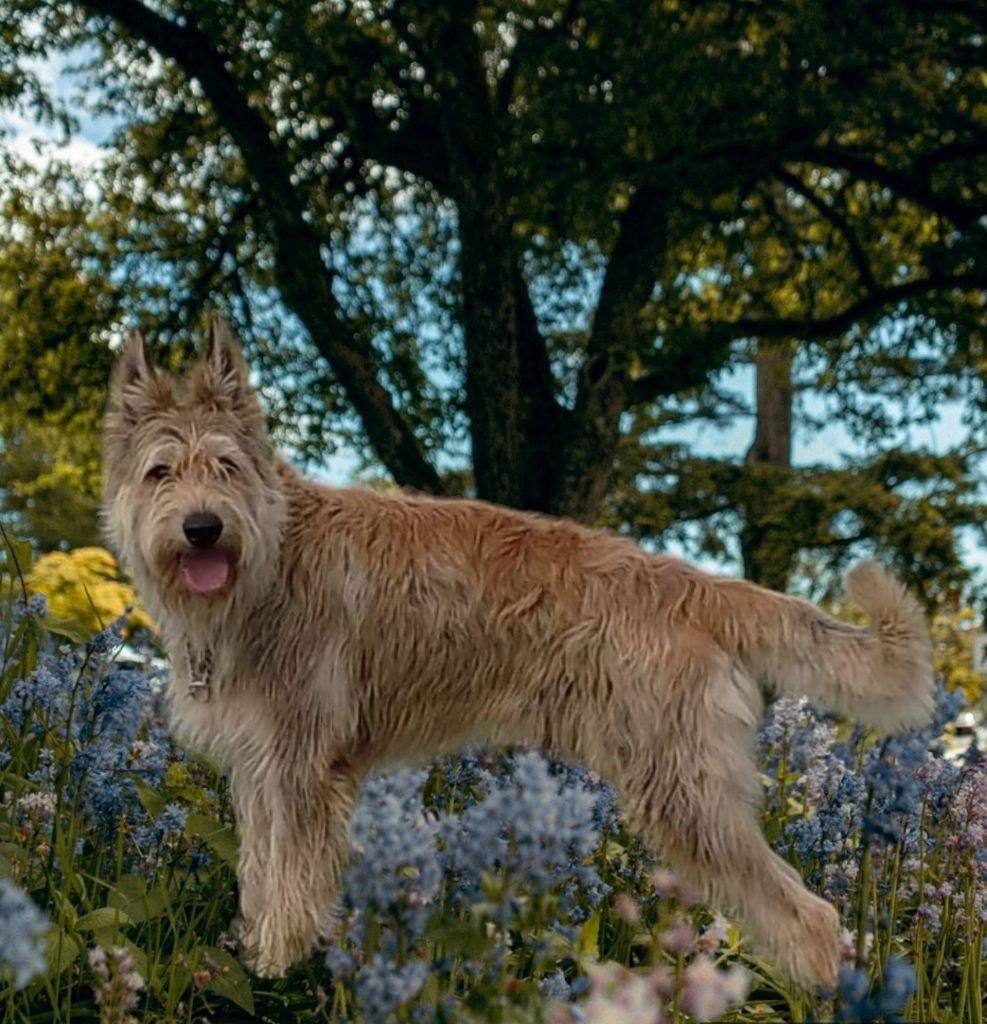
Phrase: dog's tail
{"type": "Point", "coordinates": [881, 676]}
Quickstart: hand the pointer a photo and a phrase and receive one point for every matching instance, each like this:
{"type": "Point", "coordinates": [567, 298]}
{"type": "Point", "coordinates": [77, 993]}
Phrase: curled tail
{"type": "Point", "coordinates": [880, 675]}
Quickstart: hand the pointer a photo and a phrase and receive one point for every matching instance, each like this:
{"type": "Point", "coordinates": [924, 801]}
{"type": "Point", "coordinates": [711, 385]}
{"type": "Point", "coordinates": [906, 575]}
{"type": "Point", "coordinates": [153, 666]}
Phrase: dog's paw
{"type": "Point", "coordinates": [260, 950]}
{"type": "Point", "coordinates": [264, 966]}
{"type": "Point", "coordinates": [812, 960]}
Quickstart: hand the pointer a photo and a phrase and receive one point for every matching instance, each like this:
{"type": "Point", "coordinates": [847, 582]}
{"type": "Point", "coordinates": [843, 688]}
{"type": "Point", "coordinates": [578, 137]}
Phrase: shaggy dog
{"type": "Point", "coordinates": [316, 633]}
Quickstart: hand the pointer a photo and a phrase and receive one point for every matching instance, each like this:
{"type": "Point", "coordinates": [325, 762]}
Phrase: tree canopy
{"type": "Point", "coordinates": [505, 246]}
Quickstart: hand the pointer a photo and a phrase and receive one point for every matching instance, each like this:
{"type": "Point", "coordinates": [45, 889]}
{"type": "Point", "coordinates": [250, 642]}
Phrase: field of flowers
{"type": "Point", "coordinates": [487, 887]}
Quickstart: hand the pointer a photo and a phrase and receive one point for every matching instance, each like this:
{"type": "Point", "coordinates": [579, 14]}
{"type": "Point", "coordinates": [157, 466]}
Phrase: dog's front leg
{"type": "Point", "coordinates": [293, 822]}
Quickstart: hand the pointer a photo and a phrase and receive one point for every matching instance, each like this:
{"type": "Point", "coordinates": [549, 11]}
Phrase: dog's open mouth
{"type": "Point", "coordinates": [206, 572]}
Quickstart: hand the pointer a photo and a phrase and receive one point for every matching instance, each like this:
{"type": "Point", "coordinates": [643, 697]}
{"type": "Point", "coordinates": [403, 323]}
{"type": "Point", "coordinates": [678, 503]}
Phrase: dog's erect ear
{"type": "Point", "coordinates": [133, 378]}
{"type": "Point", "coordinates": [223, 373]}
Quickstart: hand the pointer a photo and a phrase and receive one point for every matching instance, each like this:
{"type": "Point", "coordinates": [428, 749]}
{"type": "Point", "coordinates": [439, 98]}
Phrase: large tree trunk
{"type": "Point", "coordinates": [493, 386]}
{"type": "Point", "coordinates": [768, 555]}
{"type": "Point", "coordinates": [604, 384]}
{"type": "Point", "coordinates": [509, 394]}
{"type": "Point", "coordinates": [772, 444]}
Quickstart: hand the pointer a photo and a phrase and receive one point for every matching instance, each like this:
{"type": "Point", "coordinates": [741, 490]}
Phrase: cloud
{"type": "Point", "coordinates": [38, 143]}
{"type": "Point", "coordinates": [38, 147]}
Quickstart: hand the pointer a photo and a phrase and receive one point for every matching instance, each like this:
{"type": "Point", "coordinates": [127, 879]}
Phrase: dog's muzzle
{"type": "Point", "coordinates": [205, 566]}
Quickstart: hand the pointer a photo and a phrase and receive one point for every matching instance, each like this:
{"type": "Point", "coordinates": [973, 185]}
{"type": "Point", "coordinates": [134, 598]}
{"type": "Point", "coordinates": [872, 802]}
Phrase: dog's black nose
{"type": "Point", "coordinates": [202, 529]}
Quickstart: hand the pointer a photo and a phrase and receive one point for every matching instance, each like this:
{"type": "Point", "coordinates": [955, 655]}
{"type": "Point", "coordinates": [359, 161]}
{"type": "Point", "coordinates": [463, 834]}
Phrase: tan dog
{"type": "Point", "coordinates": [316, 633]}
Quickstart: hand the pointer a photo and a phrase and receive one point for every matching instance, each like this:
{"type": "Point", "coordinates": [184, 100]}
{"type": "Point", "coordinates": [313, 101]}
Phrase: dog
{"type": "Point", "coordinates": [316, 633]}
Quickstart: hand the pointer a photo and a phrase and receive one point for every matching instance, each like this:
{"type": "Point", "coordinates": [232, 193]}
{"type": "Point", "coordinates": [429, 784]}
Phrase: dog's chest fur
{"type": "Point", "coordinates": [245, 709]}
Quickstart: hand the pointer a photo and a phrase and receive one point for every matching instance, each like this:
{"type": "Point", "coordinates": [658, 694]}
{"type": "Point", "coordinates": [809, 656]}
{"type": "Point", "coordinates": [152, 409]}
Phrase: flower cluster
{"type": "Point", "coordinates": [22, 931]}
{"type": "Point", "coordinates": [511, 836]}
{"type": "Point", "coordinates": [621, 996]}
{"type": "Point", "coordinates": [885, 825]}
{"type": "Point", "coordinates": [532, 828]}
{"type": "Point", "coordinates": [94, 725]}
{"type": "Point", "coordinates": [394, 875]}
{"type": "Point", "coordinates": [119, 984]}
{"type": "Point", "coordinates": [862, 1003]}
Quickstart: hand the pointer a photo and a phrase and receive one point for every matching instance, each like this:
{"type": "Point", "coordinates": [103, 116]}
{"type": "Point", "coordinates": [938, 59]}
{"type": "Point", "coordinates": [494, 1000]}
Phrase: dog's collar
{"type": "Point", "coordinates": [200, 673]}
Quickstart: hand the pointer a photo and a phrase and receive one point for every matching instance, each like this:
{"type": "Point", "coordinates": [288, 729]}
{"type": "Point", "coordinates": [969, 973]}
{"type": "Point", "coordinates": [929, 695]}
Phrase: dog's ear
{"type": "Point", "coordinates": [133, 380]}
{"type": "Point", "coordinates": [222, 375]}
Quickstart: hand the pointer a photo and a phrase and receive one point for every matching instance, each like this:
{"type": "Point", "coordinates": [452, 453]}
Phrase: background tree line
{"type": "Point", "coordinates": [516, 249]}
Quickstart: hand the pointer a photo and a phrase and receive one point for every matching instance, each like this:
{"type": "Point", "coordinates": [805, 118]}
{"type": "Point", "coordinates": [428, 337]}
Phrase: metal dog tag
{"type": "Point", "coordinates": [199, 690]}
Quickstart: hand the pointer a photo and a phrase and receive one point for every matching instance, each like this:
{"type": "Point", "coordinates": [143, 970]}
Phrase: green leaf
{"type": "Point", "coordinates": [220, 838]}
{"type": "Point", "coordinates": [12, 855]}
{"type": "Point", "coordinates": [104, 917]}
{"type": "Point", "coordinates": [61, 950]}
{"type": "Point", "coordinates": [18, 555]}
{"type": "Point", "coordinates": [131, 895]}
{"type": "Point", "coordinates": [71, 629]}
{"type": "Point", "coordinates": [63, 910]}
{"type": "Point", "coordinates": [461, 937]}
{"type": "Point", "coordinates": [151, 800]}
{"type": "Point", "coordinates": [589, 936]}
{"type": "Point", "coordinates": [231, 982]}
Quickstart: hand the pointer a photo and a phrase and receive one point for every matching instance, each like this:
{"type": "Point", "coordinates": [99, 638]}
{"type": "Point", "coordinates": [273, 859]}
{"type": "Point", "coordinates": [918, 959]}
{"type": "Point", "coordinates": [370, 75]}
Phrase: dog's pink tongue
{"type": "Point", "coordinates": [205, 572]}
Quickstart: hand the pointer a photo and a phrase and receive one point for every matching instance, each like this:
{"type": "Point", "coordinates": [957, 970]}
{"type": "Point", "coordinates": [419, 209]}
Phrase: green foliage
{"type": "Point", "coordinates": [56, 309]}
{"type": "Point", "coordinates": [162, 909]}
{"type": "Point", "coordinates": [46, 487]}
{"type": "Point", "coordinates": [911, 509]}
{"type": "Point", "coordinates": [952, 634]}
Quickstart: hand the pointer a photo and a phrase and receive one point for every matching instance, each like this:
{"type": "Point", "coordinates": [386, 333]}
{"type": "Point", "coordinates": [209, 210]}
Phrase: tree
{"type": "Point", "coordinates": [55, 310]}
{"type": "Point", "coordinates": [635, 197]}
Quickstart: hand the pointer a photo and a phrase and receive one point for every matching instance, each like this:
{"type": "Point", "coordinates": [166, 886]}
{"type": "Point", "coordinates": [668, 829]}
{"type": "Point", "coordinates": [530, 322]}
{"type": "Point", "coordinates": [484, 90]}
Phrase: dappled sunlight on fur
{"type": "Point", "coordinates": [358, 628]}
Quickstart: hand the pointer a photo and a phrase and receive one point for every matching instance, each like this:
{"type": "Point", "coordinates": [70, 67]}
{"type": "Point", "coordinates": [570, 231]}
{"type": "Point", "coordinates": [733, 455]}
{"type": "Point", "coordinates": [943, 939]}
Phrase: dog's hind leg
{"type": "Point", "coordinates": [294, 839]}
{"type": "Point", "coordinates": [694, 794]}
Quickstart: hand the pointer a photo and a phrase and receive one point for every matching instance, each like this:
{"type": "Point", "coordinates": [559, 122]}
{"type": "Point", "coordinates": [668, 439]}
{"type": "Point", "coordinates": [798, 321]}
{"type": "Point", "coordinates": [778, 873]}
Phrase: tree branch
{"type": "Point", "coordinates": [303, 277]}
{"type": "Point", "coordinates": [874, 302]}
{"type": "Point", "coordinates": [544, 420]}
{"type": "Point", "coordinates": [492, 320]}
{"type": "Point", "coordinates": [685, 365]}
{"type": "Point", "coordinates": [914, 187]}
{"type": "Point", "coordinates": [508, 80]}
{"type": "Point", "coordinates": [840, 223]}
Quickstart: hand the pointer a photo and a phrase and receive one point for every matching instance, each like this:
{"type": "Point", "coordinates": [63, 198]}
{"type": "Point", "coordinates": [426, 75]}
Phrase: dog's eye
{"type": "Point", "coordinates": [229, 467]}
{"type": "Point", "coordinates": [158, 472]}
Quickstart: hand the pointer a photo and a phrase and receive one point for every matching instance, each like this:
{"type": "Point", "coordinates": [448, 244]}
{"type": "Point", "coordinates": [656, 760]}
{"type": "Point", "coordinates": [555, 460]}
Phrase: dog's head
{"type": "Point", "coordinates": [192, 498]}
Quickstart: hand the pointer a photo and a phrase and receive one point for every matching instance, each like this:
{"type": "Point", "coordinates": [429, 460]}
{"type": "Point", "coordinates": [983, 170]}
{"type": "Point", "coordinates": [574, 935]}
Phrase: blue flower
{"type": "Point", "coordinates": [22, 930]}
{"type": "Point", "coordinates": [152, 836]}
{"type": "Point", "coordinates": [554, 986]}
{"type": "Point", "coordinates": [860, 1005]}
{"type": "Point", "coordinates": [383, 986]}
{"type": "Point", "coordinates": [898, 987]}
{"type": "Point", "coordinates": [340, 963]}
{"type": "Point", "coordinates": [395, 875]}
{"type": "Point", "coordinates": [532, 828]}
